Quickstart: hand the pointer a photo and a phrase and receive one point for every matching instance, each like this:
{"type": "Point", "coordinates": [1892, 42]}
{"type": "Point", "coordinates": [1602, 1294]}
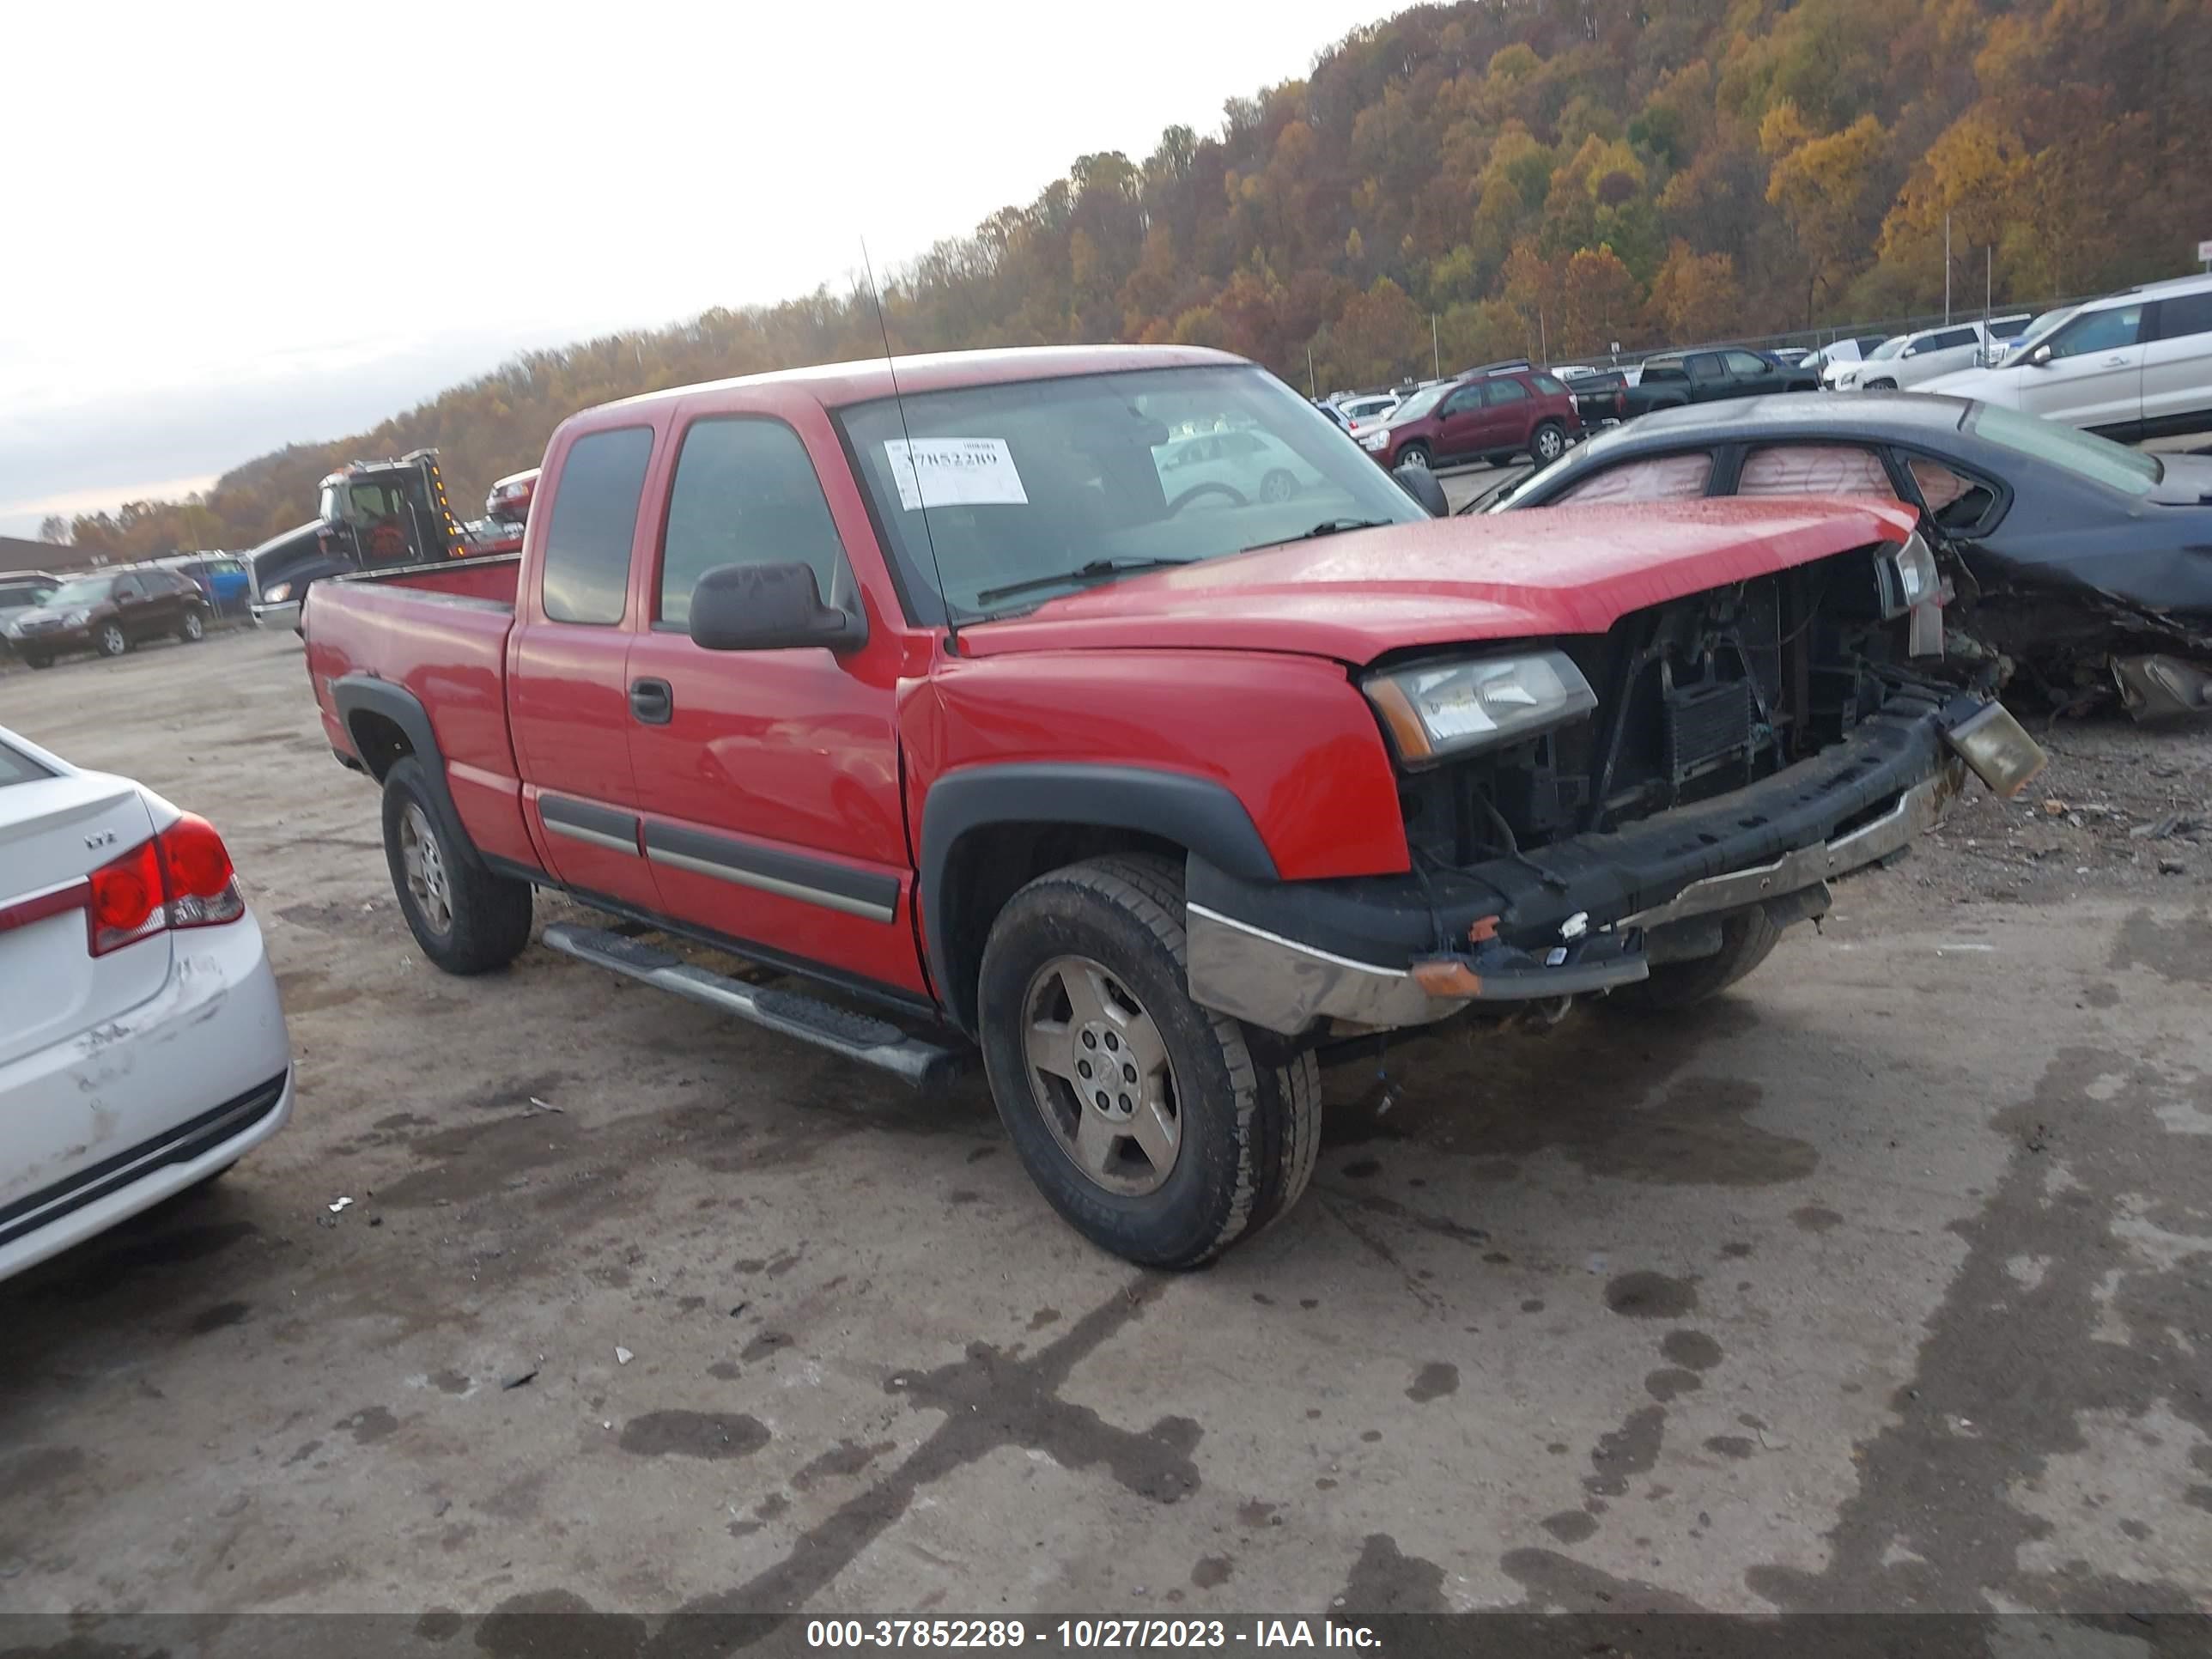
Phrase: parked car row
{"type": "Point", "coordinates": [107, 612]}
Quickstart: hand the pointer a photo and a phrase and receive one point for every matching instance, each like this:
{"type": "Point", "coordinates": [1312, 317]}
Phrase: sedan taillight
{"type": "Point", "coordinates": [183, 877]}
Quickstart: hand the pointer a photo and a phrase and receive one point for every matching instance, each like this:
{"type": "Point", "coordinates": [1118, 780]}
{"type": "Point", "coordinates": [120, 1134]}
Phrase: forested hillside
{"type": "Point", "coordinates": [1533, 174]}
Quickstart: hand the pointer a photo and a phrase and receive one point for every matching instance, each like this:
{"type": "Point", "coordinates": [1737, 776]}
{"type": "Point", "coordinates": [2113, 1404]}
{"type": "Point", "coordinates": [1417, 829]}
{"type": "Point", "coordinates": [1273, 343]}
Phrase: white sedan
{"type": "Point", "coordinates": [141, 1047]}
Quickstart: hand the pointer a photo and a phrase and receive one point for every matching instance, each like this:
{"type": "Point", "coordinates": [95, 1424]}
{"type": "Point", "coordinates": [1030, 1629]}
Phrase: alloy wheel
{"type": "Point", "coordinates": [1099, 1073]}
{"type": "Point", "coordinates": [425, 863]}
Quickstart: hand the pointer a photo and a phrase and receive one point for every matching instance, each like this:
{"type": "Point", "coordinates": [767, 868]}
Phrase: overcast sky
{"type": "Point", "coordinates": [230, 225]}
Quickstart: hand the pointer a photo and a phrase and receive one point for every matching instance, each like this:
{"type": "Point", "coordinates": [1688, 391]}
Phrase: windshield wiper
{"type": "Point", "coordinates": [1325, 527]}
{"type": "Point", "coordinates": [1096, 570]}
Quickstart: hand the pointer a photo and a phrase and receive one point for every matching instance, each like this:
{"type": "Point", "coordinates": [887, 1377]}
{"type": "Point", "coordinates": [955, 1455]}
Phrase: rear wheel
{"type": "Point", "coordinates": [1277, 486]}
{"type": "Point", "coordinates": [110, 640]}
{"type": "Point", "coordinates": [1413, 455]}
{"type": "Point", "coordinates": [1148, 1122]}
{"type": "Point", "coordinates": [193, 628]}
{"type": "Point", "coordinates": [1549, 443]}
{"type": "Point", "coordinates": [1746, 940]}
{"type": "Point", "coordinates": [467, 920]}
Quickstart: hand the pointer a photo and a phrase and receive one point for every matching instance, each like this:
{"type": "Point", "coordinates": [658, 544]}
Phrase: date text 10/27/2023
{"type": "Point", "coordinates": [1087, 1634]}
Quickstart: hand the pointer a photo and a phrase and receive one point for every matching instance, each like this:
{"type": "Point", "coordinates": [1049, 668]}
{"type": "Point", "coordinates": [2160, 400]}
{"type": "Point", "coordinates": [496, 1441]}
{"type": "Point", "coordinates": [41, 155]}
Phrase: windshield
{"type": "Point", "coordinates": [1066, 482]}
{"type": "Point", "coordinates": [2031, 336]}
{"type": "Point", "coordinates": [1419, 403]}
{"type": "Point", "coordinates": [85, 590]}
{"type": "Point", "coordinates": [1887, 349]}
{"type": "Point", "coordinates": [2082, 453]}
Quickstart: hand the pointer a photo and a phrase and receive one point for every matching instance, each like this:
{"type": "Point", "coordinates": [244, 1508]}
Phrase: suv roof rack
{"type": "Point", "coordinates": [1509, 366]}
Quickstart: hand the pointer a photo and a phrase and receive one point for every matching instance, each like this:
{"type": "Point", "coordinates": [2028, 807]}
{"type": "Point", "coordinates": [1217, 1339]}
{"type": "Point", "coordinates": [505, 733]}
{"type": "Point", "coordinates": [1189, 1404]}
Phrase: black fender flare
{"type": "Point", "coordinates": [358, 694]}
{"type": "Point", "coordinates": [1198, 814]}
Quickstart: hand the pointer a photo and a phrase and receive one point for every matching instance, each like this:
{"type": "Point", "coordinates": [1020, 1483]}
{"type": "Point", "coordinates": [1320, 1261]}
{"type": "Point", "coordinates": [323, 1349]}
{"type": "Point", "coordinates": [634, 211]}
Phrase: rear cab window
{"type": "Point", "coordinates": [746, 493]}
{"type": "Point", "coordinates": [586, 565]}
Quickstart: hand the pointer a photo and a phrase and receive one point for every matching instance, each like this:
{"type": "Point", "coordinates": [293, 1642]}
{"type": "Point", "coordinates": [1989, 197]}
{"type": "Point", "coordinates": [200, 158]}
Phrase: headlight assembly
{"type": "Point", "coordinates": [1378, 439]}
{"type": "Point", "coordinates": [74, 618]}
{"type": "Point", "coordinates": [278, 594]}
{"type": "Point", "coordinates": [1436, 711]}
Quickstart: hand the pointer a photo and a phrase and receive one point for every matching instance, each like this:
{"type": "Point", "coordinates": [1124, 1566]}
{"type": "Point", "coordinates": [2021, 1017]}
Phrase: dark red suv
{"type": "Point", "coordinates": [1488, 415]}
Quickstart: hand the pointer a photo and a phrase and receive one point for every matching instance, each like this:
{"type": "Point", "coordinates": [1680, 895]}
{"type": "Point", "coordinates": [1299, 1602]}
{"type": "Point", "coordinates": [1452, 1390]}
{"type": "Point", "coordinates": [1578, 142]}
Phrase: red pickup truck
{"type": "Point", "coordinates": [942, 696]}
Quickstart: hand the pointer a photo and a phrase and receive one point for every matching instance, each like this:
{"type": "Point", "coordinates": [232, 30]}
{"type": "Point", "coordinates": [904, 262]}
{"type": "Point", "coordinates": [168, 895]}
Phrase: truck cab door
{"type": "Point", "coordinates": [768, 780]}
{"type": "Point", "coordinates": [568, 683]}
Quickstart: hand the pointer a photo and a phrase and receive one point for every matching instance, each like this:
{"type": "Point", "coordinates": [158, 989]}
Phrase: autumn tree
{"type": "Point", "coordinates": [1379, 335]}
{"type": "Point", "coordinates": [1696, 297]}
{"type": "Point", "coordinates": [1974, 177]}
{"type": "Point", "coordinates": [1824, 185]}
{"type": "Point", "coordinates": [1600, 302]}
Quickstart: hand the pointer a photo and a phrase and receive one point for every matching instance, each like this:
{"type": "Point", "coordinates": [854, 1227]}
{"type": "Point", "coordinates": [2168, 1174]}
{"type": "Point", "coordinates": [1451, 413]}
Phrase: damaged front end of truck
{"type": "Point", "coordinates": [1639, 812]}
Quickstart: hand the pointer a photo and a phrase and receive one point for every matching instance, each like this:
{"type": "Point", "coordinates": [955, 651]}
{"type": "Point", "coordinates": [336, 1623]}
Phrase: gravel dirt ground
{"type": "Point", "coordinates": [1883, 1283]}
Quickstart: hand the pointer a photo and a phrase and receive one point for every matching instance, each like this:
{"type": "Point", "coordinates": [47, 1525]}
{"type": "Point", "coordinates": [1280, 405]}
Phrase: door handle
{"type": "Point", "coordinates": [2116, 362]}
{"type": "Point", "coordinates": [652, 701]}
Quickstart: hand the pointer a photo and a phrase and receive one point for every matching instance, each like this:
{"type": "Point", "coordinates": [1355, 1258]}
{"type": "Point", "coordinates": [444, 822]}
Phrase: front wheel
{"type": "Point", "coordinates": [1414, 455]}
{"type": "Point", "coordinates": [112, 642]}
{"type": "Point", "coordinates": [1549, 443]}
{"type": "Point", "coordinates": [192, 630]}
{"type": "Point", "coordinates": [467, 920]}
{"type": "Point", "coordinates": [1881, 386]}
{"type": "Point", "coordinates": [1277, 486]}
{"type": "Point", "coordinates": [1148, 1122]}
{"type": "Point", "coordinates": [38, 661]}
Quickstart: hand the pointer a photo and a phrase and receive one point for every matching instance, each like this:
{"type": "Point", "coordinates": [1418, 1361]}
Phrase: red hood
{"type": "Point", "coordinates": [1503, 576]}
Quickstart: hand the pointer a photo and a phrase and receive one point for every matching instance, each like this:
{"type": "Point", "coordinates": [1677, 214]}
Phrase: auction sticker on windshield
{"type": "Point", "coordinates": [954, 472]}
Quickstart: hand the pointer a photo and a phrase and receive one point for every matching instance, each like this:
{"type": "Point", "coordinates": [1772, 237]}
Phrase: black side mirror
{"type": "Point", "coordinates": [1421, 484]}
{"type": "Point", "coordinates": [768, 607]}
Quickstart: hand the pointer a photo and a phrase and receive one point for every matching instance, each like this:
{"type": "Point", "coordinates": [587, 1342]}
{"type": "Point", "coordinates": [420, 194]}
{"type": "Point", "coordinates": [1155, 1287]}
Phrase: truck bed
{"type": "Point", "coordinates": [439, 630]}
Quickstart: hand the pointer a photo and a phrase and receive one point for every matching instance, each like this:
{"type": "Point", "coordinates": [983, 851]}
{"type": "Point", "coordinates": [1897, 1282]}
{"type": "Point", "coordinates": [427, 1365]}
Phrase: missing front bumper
{"type": "Point", "coordinates": [1573, 917]}
{"type": "Point", "coordinates": [1240, 969]}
